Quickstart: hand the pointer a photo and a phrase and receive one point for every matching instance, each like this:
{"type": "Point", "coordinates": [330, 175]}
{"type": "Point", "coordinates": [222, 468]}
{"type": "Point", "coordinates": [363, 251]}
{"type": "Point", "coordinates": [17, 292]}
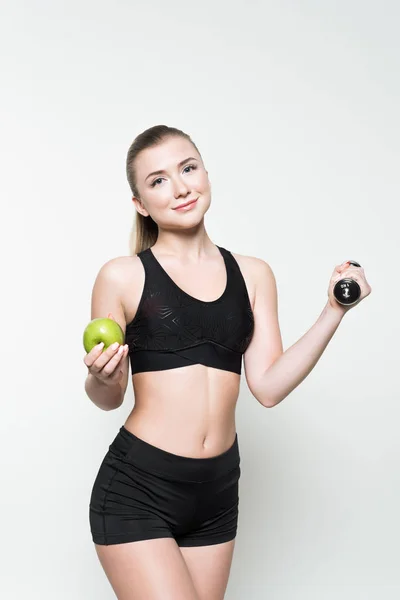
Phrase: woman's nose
{"type": "Point", "coordinates": [180, 188]}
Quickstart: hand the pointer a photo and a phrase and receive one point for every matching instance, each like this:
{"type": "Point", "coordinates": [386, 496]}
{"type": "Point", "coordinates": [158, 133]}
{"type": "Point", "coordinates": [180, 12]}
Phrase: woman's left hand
{"type": "Point", "coordinates": [348, 271]}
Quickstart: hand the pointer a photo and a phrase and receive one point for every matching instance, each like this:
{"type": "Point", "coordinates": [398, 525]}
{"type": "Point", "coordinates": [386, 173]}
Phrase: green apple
{"type": "Point", "coordinates": [103, 330]}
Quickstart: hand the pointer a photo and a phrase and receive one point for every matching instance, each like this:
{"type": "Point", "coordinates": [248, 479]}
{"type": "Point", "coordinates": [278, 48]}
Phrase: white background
{"type": "Point", "coordinates": [295, 109]}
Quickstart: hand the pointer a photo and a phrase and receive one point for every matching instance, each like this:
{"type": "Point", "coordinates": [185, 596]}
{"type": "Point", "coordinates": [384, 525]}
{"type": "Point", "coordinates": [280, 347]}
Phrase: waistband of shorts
{"type": "Point", "coordinates": [183, 468]}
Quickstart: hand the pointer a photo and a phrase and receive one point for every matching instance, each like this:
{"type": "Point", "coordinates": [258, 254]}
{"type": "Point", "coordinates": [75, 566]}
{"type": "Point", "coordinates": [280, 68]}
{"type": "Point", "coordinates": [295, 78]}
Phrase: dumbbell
{"type": "Point", "coordinates": [347, 291]}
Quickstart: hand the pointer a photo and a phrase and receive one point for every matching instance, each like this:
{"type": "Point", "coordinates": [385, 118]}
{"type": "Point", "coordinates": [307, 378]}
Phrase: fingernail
{"type": "Point", "coordinates": [115, 345]}
{"type": "Point", "coordinates": [100, 345]}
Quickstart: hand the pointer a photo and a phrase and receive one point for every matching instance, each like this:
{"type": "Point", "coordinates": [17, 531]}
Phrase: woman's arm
{"type": "Point", "coordinates": [293, 366]}
{"type": "Point", "coordinates": [106, 298]}
{"type": "Point", "coordinates": [105, 396]}
{"type": "Point", "coordinates": [271, 373]}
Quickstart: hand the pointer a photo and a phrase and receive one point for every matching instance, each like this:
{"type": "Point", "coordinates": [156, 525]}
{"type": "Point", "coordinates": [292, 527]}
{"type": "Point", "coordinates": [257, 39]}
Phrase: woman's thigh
{"type": "Point", "coordinates": [209, 568]}
{"type": "Point", "coordinates": [147, 570]}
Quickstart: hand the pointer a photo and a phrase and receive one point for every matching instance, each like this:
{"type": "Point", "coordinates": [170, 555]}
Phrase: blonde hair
{"type": "Point", "coordinates": [144, 230]}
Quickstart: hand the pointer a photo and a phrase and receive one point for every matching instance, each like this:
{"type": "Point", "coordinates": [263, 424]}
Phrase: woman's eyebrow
{"type": "Point", "coordinates": [179, 165]}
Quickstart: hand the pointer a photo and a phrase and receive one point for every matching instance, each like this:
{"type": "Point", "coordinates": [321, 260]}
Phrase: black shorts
{"type": "Point", "coordinates": [142, 492]}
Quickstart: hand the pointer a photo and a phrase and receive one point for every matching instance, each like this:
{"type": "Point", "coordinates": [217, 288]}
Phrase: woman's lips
{"type": "Point", "coordinates": [186, 206]}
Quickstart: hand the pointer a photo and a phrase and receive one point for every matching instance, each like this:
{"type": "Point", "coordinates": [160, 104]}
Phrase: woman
{"type": "Point", "coordinates": [164, 505]}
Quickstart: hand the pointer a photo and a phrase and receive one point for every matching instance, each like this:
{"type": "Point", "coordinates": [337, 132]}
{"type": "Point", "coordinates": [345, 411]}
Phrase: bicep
{"type": "Point", "coordinates": [106, 298]}
{"type": "Point", "coordinates": [266, 344]}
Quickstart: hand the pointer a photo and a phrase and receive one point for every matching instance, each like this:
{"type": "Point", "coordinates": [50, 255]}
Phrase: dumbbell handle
{"type": "Point", "coordinates": [347, 291]}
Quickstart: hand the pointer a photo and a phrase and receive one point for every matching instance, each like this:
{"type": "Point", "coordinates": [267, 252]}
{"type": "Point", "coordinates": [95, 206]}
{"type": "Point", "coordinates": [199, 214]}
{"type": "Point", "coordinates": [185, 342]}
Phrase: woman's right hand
{"type": "Point", "coordinates": [105, 365]}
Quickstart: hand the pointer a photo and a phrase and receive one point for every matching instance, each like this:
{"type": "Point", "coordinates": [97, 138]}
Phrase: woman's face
{"type": "Point", "coordinates": [183, 178]}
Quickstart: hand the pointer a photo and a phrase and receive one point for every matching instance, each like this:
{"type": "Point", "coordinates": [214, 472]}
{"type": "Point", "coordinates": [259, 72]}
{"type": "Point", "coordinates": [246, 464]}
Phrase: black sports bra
{"type": "Point", "coordinates": [172, 329]}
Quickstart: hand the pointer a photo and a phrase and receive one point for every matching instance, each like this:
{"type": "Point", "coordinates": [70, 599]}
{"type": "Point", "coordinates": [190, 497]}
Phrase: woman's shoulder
{"type": "Point", "coordinates": [251, 263]}
{"type": "Point", "coordinates": [255, 271]}
{"type": "Point", "coordinates": [120, 267]}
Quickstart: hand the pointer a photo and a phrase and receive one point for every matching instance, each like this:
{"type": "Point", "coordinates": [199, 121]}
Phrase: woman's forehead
{"type": "Point", "coordinates": [166, 155]}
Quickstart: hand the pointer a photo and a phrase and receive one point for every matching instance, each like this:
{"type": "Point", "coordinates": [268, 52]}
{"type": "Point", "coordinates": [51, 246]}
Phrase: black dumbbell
{"type": "Point", "coordinates": [347, 291]}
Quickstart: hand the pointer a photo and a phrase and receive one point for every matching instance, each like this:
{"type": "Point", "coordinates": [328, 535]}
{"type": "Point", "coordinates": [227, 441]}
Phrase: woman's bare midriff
{"type": "Point", "coordinates": [189, 411]}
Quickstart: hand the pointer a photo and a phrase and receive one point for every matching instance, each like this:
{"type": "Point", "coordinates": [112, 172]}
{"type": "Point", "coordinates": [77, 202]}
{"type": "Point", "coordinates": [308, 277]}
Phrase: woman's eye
{"type": "Point", "coordinates": [194, 167]}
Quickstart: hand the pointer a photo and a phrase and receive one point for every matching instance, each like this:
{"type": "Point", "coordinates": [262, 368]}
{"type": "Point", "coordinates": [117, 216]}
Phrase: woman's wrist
{"type": "Point", "coordinates": [337, 311]}
{"type": "Point", "coordinates": [106, 396]}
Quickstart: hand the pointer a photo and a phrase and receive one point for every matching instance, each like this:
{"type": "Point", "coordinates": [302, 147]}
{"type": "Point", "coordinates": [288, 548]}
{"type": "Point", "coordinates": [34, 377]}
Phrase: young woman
{"type": "Point", "coordinates": [164, 505]}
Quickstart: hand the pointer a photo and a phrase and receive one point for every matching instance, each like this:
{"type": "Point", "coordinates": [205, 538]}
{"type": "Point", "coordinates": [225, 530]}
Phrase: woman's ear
{"type": "Point", "coordinates": [139, 207]}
